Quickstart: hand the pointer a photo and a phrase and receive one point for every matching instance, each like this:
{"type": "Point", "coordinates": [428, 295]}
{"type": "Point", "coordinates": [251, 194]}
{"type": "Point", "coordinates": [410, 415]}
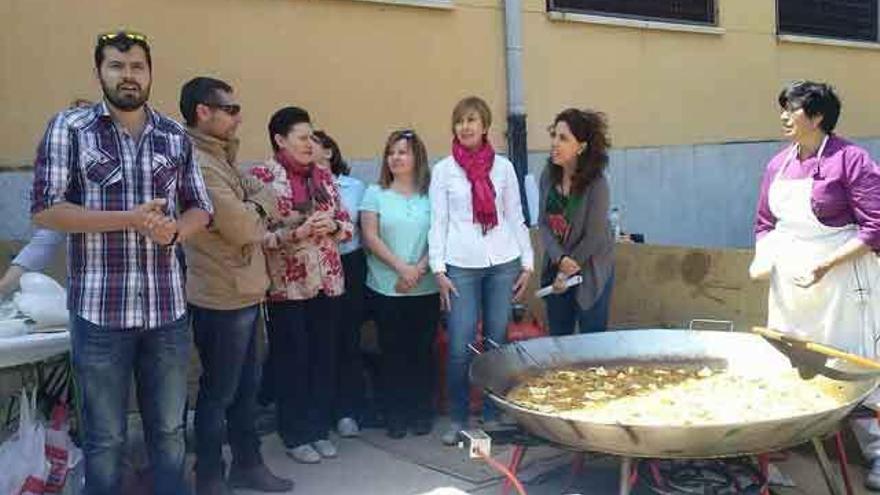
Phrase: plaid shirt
{"type": "Point", "coordinates": [119, 280]}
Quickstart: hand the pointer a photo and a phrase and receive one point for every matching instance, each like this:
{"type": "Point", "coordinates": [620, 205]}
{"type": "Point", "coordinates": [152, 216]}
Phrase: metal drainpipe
{"type": "Point", "coordinates": [517, 145]}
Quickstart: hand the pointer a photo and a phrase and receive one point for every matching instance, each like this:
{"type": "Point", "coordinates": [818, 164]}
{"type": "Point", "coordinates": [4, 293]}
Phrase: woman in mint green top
{"type": "Point", "coordinates": [395, 219]}
{"type": "Point", "coordinates": [403, 228]}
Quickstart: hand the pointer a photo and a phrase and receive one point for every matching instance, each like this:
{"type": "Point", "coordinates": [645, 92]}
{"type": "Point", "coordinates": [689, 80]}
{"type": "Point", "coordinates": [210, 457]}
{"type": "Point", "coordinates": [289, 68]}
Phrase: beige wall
{"type": "Point", "coordinates": [365, 68]}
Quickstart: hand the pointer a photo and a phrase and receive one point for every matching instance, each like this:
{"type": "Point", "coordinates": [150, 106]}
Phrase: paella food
{"type": "Point", "coordinates": [674, 395]}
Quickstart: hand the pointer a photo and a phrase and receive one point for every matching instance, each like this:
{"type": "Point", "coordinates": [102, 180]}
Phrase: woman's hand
{"type": "Point", "coordinates": [812, 276]}
{"type": "Point", "coordinates": [401, 287]}
{"type": "Point", "coordinates": [323, 224]}
{"type": "Point", "coordinates": [521, 284]}
{"type": "Point", "coordinates": [569, 266]}
{"type": "Point", "coordinates": [559, 283]}
{"type": "Point", "coordinates": [409, 276]}
{"type": "Point", "coordinates": [303, 231]}
{"type": "Point", "coordinates": [447, 289]}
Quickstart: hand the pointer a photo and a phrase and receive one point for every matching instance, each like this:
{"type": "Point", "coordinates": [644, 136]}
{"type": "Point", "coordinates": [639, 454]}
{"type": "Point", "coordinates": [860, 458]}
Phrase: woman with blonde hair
{"type": "Point", "coordinates": [480, 251]}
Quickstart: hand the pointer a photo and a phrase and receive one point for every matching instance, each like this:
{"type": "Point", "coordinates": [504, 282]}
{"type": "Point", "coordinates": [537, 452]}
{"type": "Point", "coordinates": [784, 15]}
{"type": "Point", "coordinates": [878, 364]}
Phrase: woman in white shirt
{"type": "Point", "coordinates": [478, 246]}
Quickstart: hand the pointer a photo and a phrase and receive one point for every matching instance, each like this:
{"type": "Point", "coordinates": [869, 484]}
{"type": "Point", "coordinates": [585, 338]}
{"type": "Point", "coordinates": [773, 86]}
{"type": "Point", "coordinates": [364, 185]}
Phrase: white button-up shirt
{"type": "Point", "coordinates": [456, 239]}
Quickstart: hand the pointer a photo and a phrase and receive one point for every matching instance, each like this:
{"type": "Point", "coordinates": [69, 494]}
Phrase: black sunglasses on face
{"type": "Point", "coordinates": [232, 110]}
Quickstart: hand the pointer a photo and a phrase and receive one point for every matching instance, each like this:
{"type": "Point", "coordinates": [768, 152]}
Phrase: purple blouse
{"type": "Point", "coordinates": [846, 189]}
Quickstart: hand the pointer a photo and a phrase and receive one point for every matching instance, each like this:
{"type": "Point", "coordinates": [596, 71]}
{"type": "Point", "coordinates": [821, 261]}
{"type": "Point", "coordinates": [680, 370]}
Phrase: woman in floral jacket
{"type": "Point", "coordinates": [574, 223]}
{"type": "Point", "coordinates": [307, 281]}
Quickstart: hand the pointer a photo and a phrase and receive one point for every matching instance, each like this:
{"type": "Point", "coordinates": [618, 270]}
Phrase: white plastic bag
{"type": "Point", "coordinates": [23, 456]}
{"type": "Point", "coordinates": [46, 311]}
{"type": "Point", "coordinates": [37, 283]}
{"type": "Point", "coordinates": [43, 300]}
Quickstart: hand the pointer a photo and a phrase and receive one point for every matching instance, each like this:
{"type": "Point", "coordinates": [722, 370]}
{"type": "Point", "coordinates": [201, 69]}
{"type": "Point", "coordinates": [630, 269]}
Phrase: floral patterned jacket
{"type": "Point", "coordinates": [300, 269]}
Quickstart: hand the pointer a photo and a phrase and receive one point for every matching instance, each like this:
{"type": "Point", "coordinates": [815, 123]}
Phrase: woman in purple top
{"type": "Point", "coordinates": [817, 229]}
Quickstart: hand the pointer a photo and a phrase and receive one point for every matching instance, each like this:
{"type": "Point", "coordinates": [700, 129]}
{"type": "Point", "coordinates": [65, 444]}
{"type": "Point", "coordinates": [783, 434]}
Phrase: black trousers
{"type": "Point", "coordinates": [302, 348]}
{"type": "Point", "coordinates": [407, 326]}
{"type": "Point", "coordinates": [350, 391]}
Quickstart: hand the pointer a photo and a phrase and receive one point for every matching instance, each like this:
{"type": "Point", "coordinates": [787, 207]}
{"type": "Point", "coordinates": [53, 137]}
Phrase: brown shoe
{"type": "Point", "coordinates": [258, 478]}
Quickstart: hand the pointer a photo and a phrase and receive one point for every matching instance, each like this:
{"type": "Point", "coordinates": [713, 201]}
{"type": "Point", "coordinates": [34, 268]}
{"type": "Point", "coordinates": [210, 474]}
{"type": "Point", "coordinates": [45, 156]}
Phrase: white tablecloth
{"type": "Point", "coordinates": [32, 348]}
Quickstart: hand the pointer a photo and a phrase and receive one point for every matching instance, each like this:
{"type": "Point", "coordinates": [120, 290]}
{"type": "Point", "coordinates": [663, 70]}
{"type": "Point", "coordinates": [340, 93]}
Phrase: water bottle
{"type": "Point", "coordinates": [615, 222]}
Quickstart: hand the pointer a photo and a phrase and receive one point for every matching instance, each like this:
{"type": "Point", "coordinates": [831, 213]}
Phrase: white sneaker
{"type": "Point", "coordinates": [347, 428]}
{"type": "Point", "coordinates": [304, 454]}
{"type": "Point", "coordinates": [325, 448]}
{"type": "Point", "coordinates": [450, 436]}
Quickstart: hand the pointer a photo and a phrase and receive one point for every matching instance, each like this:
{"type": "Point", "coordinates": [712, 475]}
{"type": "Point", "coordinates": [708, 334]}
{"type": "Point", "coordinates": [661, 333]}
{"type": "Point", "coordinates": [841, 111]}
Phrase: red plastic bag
{"type": "Point", "coordinates": [524, 325]}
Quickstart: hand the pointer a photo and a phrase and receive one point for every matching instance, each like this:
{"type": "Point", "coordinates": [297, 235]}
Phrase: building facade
{"type": "Point", "coordinates": [689, 86]}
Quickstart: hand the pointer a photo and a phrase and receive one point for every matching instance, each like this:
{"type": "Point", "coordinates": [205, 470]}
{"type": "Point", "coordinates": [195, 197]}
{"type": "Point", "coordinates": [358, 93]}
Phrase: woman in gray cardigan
{"type": "Point", "coordinates": [574, 223]}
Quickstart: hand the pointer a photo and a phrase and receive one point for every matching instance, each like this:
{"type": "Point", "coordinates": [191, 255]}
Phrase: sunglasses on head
{"type": "Point", "coordinates": [132, 35]}
{"type": "Point", "coordinates": [407, 134]}
{"type": "Point", "coordinates": [233, 109]}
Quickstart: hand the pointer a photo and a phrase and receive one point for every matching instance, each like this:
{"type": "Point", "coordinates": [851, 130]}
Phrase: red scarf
{"type": "Point", "coordinates": [476, 165]}
{"type": "Point", "coordinates": [304, 179]}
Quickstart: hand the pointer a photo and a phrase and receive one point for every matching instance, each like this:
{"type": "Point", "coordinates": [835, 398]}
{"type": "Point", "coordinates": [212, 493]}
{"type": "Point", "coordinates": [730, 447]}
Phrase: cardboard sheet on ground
{"type": "Point", "coordinates": [428, 451]}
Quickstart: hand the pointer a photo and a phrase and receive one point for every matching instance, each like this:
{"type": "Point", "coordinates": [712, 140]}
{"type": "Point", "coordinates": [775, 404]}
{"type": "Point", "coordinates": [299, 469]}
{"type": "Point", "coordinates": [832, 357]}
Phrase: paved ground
{"type": "Point", "coordinates": [363, 469]}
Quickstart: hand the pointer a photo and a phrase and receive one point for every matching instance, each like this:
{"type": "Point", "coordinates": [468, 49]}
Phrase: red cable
{"type": "Point", "coordinates": [503, 470]}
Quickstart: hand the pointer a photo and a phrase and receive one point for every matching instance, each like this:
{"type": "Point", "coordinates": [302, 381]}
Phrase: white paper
{"type": "Point", "coordinates": [571, 282]}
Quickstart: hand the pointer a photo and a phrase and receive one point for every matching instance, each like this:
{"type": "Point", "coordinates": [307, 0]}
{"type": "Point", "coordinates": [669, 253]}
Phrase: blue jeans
{"type": "Point", "coordinates": [227, 345]}
{"type": "Point", "coordinates": [564, 312]}
{"type": "Point", "coordinates": [103, 361]}
{"type": "Point", "coordinates": [481, 291]}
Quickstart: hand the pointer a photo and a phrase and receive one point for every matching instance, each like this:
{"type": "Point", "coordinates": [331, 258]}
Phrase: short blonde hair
{"type": "Point", "coordinates": [472, 104]}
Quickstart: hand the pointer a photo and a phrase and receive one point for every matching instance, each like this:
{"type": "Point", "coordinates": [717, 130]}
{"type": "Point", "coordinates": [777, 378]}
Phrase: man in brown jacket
{"type": "Point", "coordinates": [226, 282]}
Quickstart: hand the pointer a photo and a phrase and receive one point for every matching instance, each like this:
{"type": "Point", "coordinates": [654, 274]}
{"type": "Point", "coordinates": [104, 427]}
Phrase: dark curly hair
{"type": "Point", "coordinates": [590, 127]}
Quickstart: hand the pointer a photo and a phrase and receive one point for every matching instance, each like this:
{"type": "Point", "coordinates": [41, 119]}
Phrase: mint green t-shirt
{"type": "Point", "coordinates": [403, 227]}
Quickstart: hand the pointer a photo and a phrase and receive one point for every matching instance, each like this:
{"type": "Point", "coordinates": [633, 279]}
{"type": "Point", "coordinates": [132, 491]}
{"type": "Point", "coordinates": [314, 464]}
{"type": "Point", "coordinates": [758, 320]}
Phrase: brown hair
{"type": "Point", "coordinates": [420, 160]}
{"type": "Point", "coordinates": [469, 104]}
{"type": "Point", "coordinates": [590, 127]}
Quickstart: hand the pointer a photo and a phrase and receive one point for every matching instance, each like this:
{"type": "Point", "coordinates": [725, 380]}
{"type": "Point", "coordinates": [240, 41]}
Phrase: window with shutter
{"type": "Point", "coordinates": [844, 19]}
{"type": "Point", "coordinates": [688, 11]}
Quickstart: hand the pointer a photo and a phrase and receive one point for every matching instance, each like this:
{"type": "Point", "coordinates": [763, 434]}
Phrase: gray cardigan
{"type": "Point", "coordinates": [589, 242]}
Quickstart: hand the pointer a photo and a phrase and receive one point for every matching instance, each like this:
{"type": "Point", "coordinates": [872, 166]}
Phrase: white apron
{"type": "Point", "coordinates": [842, 309]}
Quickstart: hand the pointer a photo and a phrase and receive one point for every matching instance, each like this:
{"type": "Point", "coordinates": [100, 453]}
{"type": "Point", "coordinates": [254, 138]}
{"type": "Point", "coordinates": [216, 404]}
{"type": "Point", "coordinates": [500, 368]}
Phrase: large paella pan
{"type": "Point", "coordinates": [500, 370]}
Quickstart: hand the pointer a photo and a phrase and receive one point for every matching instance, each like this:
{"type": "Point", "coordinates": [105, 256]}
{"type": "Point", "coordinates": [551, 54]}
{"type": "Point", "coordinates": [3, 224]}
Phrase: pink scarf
{"type": "Point", "coordinates": [476, 165]}
{"type": "Point", "coordinates": [304, 179]}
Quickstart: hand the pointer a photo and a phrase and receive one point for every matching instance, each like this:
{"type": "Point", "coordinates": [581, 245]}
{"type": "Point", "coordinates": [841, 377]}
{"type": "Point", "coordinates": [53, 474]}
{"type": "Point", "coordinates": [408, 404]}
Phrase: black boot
{"type": "Point", "coordinates": [258, 478]}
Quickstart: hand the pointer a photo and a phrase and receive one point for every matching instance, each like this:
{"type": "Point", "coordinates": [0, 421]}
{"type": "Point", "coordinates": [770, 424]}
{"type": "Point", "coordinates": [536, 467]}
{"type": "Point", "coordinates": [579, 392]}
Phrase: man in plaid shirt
{"type": "Point", "coordinates": [120, 178]}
